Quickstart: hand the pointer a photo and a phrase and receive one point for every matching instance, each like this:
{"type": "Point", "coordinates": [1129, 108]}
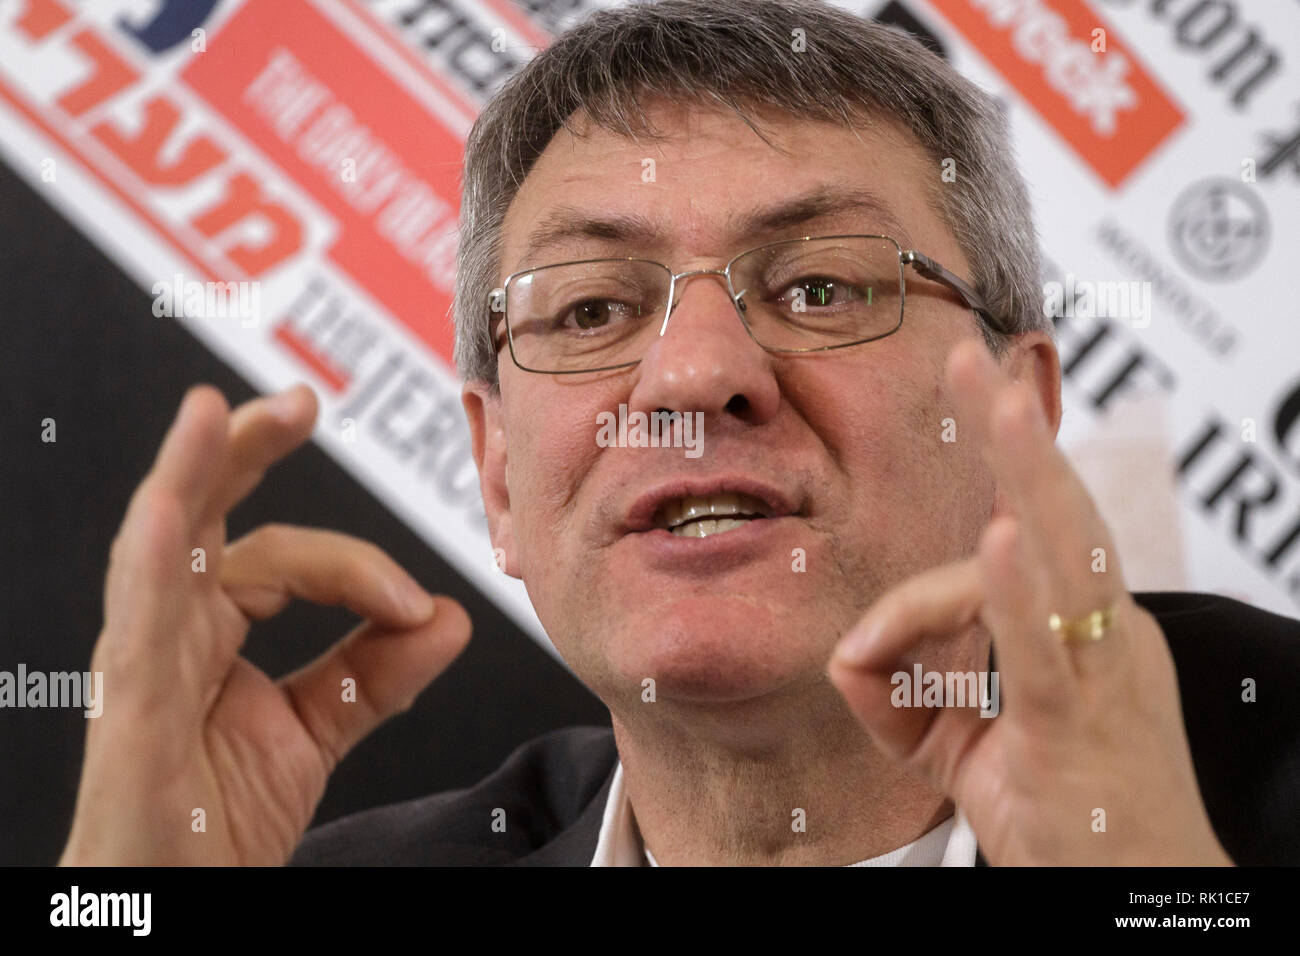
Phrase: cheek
{"type": "Point", "coordinates": [919, 489]}
{"type": "Point", "coordinates": [551, 449]}
{"type": "Point", "coordinates": [888, 433]}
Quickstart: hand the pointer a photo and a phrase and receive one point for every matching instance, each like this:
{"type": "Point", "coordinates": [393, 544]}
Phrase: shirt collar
{"type": "Point", "coordinates": [951, 843]}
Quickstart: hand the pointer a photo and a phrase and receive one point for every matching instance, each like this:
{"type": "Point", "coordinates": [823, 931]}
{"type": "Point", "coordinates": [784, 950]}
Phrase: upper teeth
{"type": "Point", "coordinates": [696, 516]}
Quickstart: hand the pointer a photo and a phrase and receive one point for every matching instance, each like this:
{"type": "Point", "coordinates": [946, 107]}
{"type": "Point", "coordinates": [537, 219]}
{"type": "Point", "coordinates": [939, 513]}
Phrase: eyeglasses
{"type": "Point", "coordinates": [810, 294]}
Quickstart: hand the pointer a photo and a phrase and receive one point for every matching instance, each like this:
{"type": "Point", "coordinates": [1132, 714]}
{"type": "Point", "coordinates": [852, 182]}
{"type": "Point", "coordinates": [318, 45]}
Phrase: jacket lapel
{"type": "Point", "coordinates": [576, 844]}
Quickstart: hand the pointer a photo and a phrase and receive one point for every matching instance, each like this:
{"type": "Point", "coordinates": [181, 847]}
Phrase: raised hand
{"type": "Point", "coordinates": [1086, 725]}
{"type": "Point", "coordinates": [188, 725]}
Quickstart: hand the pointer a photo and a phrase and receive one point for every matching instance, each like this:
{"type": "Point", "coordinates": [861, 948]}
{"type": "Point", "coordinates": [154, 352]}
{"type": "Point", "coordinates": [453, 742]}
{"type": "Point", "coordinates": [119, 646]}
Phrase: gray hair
{"type": "Point", "coordinates": [738, 54]}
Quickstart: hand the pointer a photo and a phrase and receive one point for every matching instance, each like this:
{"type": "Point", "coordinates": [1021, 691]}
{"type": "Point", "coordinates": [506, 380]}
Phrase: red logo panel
{"type": "Point", "coordinates": [1104, 104]}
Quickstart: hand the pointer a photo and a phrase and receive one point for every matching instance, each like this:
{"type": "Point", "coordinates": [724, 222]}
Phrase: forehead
{"type": "Point", "coordinates": [711, 186]}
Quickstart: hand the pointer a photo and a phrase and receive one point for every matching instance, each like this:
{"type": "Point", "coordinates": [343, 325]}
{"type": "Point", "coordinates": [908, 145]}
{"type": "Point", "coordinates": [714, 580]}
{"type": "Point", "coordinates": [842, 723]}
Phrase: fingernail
{"type": "Point", "coordinates": [855, 647]}
{"type": "Point", "coordinates": [418, 602]}
{"type": "Point", "coordinates": [284, 405]}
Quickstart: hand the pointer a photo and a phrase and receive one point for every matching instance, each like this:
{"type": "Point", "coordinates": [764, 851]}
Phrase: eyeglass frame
{"type": "Point", "coordinates": [923, 264]}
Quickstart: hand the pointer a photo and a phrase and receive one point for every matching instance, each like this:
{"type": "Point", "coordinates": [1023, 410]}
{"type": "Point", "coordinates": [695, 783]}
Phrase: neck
{"type": "Point", "coordinates": [701, 796]}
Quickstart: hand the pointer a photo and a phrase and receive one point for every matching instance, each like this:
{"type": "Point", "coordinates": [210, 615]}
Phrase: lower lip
{"type": "Point", "coordinates": [754, 540]}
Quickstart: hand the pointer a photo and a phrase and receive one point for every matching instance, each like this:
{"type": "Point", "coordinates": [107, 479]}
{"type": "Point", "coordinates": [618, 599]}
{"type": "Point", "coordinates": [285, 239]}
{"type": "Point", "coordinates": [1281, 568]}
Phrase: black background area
{"type": "Point", "coordinates": [82, 346]}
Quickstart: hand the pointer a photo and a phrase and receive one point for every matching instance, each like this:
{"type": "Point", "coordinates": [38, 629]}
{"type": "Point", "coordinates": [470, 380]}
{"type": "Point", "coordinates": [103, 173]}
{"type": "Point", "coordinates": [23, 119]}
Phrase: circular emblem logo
{"type": "Point", "coordinates": [1218, 229]}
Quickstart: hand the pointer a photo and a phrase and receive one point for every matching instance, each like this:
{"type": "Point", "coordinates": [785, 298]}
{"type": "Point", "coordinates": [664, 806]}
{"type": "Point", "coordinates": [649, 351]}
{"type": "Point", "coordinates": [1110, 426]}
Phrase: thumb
{"type": "Point", "coordinates": [390, 669]}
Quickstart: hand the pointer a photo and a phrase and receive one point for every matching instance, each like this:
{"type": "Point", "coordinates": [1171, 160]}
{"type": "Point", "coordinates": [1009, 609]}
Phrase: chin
{"type": "Point", "coordinates": [714, 649]}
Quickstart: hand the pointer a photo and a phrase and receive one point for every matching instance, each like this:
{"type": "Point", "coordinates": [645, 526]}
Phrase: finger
{"type": "Point", "coordinates": [265, 569]}
{"type": "Point", "coordinates": [1035, 665]}
{"type": "Point", "coordinates": [183, 468]}
{"type": "Point", "coordinates": [262, 432]}
{"type": "Point", "coordinates": [1063, 523]}
{"type": "Point", "coordinates": [149, 577]}
{"type": "Point", "coordinates": [1041, 664]}
{"type": "Point", "coordinates": [389, 670]}
{"type": "Point", "coordinates": [880, 686]}
{"type": "Point", "coordinates": [1057, 513]}
{"type": "Point", "coordinates": [936, 603]}
{"type": "Point", "coordinates": [934, 740]}
{"type": "Point", "coordinates": [974, 378]}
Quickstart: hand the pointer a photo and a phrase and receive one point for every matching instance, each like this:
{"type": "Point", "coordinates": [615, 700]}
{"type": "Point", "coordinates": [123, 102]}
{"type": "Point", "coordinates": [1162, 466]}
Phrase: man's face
{"type": "Point", "coordinates": [846, 448]}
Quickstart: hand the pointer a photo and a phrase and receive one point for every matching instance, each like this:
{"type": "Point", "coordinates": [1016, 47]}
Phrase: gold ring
{"type": "Point", "coordinates": [1090, 627]}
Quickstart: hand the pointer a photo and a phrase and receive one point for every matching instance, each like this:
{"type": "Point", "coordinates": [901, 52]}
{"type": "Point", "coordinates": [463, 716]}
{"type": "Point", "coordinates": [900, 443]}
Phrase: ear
{"type": "Point", "coordinates": [1032, 358]}
{"type": "Point", "coordinates": [487, 431]}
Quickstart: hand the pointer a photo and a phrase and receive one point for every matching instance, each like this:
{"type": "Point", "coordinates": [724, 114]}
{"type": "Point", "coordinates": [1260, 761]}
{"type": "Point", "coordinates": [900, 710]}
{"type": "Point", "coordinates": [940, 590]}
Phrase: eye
{"type": "Point", "coordinates": [591, 315]}
{"type": "Point", "coordinates": [819, 292]}
{"type": "Point", "coordinates": [597, 314]}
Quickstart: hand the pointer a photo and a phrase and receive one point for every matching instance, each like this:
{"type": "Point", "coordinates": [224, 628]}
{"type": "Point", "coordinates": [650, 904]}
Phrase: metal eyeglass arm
{"type": "Point", "coordinates": [932, 270]}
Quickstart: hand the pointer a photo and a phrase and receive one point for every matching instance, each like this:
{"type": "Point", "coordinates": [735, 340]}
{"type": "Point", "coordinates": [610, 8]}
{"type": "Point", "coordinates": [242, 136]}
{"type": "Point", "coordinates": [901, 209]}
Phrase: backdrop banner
{"type": "Point", "coordinates": [283, 176]}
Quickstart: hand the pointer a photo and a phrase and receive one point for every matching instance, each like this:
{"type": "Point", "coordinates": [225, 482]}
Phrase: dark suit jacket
{"type": "Point", "coordinates": [554, 788]}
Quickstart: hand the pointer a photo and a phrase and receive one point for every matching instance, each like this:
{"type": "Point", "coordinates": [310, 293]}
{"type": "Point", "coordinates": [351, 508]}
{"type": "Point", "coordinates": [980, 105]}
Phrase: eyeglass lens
{"type": "Point", "coordinates": [793, 296]}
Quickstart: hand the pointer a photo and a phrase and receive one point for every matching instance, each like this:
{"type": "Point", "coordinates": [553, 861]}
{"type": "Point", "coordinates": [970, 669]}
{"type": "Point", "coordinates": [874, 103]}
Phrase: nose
{"type": "Point", "coordinates": [680, 280]}
{"type": "Point", "coordinates": [704, 359]}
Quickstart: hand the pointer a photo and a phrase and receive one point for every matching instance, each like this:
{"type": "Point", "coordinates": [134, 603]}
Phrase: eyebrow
{"type": "Point", "coordinates": [569, 223]}
{"type": "Point", "coordinates": [821, 203]}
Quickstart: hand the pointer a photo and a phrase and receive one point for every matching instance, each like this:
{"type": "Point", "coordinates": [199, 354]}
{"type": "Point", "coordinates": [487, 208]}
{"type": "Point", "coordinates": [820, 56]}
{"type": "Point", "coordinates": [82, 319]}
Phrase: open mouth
{"type": "Point", "coordinates": [699, 516]}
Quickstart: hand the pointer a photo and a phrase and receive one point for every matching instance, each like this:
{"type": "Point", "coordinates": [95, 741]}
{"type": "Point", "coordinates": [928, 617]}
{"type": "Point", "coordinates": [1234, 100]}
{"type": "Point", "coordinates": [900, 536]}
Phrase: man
{"type": "Point", "coordinates": [728, 215]}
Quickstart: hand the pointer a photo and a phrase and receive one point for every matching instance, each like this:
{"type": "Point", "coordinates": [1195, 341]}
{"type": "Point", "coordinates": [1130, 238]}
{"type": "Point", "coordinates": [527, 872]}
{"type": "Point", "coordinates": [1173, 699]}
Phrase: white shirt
{"type": "Point", "coordinates": [951, 843]}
